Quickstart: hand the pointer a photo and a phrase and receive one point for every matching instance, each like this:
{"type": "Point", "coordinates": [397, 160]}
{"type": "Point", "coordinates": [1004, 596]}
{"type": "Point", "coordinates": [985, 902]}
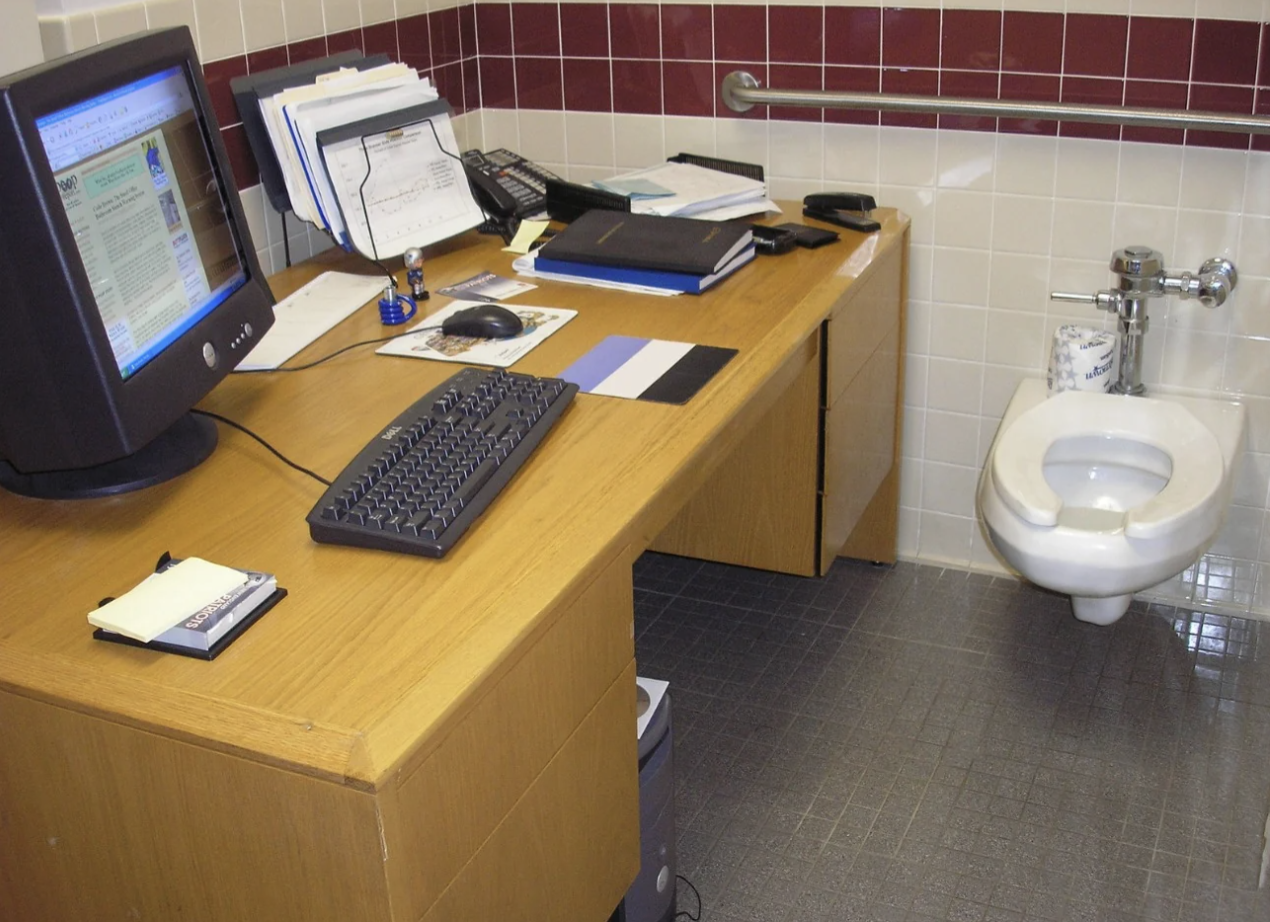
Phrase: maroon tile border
{"type": "Point", "coordinates": [853, 35]}
{"type": "Point", "coordinates": [494, 28]}
{"type": "Point", "coordinates": [971, 40]}
{"type": "Point", "coordinates": [669, 59]}
{"type": "Point", "coordinates": [588, 85]}
{"type": "Point", "coordinates": [1160, 48]}
{"type": "Point", "coordinates": [687, 32]}
{"type": "Point", "coordinates": [910, 38]}
{"type": "Point", "coordinates": [688, 87]}
{"type": "Point", "coordinates": [536, 29]}
{"type": "Point", "coordinates": [796, 34]}
{"type": "Point", "coordinates": [740, 33]}
{"type": "Point", "coordinates": [217, 75]}
{"type": "Point", "coordinates": [634, 29]}
{"type": "Point", "coordinates": [584, 31]}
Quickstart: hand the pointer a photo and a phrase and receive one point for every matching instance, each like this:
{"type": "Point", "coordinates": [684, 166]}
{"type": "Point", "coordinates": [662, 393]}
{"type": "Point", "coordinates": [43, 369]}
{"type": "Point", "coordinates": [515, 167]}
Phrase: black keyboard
{"type": "Point", "coordinates": [419, 484]}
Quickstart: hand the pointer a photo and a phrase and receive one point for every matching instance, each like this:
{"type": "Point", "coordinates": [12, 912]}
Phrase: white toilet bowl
{"type": "Point", "coordinates": [1103, 495]}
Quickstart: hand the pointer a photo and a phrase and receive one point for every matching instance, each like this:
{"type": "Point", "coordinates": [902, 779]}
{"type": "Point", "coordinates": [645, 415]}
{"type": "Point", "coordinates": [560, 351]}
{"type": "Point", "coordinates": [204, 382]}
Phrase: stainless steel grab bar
{"type": "Point", "coordinates": [742, 92]}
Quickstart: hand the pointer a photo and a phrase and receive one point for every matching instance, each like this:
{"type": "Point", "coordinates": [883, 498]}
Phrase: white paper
{"type": "Point", "coordinates": [308, 118]}
{"type": "Point", "coordinates": [524, 265]}
{"type": "Point", "coordinates": [413, 194]}
{"type": "Point", "coordinates": [731, 212]}
{"type": "Point", "coordinates": [271, 111]}
{"type": "Point", "coordinates": [305, 315]}
{"type": "Point", "coordinates": [165, 599]}
{"type": "Point", "coordinates": [695, 188]}
{"type": "Point", "coordinates": [429, 343]}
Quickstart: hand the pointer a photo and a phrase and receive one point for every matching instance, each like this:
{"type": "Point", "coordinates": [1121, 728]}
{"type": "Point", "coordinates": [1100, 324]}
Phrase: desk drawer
{"type": "Point", "coordinates": [860, 442]}
{"type": "Point", "coordinates": [859, 321]}
{"type": "Point", "coordinates": [439, 816]}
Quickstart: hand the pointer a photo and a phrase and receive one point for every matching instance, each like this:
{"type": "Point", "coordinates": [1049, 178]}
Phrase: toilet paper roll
{"type": "Point", "coordinates": [1081, 359]}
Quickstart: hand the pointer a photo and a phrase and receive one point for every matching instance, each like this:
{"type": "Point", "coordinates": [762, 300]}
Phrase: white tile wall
{"type": "Point", "coordinates": [999, 221]}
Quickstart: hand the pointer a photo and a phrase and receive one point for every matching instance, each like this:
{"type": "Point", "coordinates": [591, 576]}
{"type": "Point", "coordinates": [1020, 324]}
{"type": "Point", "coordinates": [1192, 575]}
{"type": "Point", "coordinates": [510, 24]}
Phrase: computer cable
{"type": "Point", "coordinates": [683, 913]}
{"type": "Point", "coordinates": [327, 358]}
{"type": "Point", "coordinates": [279, 455]}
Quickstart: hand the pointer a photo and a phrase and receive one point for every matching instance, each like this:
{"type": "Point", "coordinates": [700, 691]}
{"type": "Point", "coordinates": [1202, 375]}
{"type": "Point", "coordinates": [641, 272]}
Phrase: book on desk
{"type": "Point", "coordinates": [679, 254]}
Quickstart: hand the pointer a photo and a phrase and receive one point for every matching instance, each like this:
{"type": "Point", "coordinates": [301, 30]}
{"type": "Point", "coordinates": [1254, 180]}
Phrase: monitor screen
{"type": "Point", "coordinates": [129, 284]}
{"type": "Point", "coordinates": [136, 181]}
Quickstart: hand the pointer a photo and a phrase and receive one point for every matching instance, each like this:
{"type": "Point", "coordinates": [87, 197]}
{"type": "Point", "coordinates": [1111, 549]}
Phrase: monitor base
{"type": "Point", "coordinates": [184, 445]}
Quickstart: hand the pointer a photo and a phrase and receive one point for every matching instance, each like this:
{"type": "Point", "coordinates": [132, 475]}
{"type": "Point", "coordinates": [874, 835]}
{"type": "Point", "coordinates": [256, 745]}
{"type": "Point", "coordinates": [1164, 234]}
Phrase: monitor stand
{"type": "Point", "coordinates": [184, 445]}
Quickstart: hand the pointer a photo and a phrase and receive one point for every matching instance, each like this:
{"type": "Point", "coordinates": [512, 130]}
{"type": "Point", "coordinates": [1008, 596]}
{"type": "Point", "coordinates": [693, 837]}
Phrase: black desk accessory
{"type": "Point", "coordinates": [846, 209]}
{"type": "Point", "coordinates": [423, 480]}
{"type": "Point", "coordinates": [505, 184]}
{"type": "Point", "coordinates": [809, 237]}
{"type": "Point", "coordinates": [735, 167]}
{"type": "Point", "coordinates": [774, 241]}
{"type": "Point", "coordinates": [568, 201]}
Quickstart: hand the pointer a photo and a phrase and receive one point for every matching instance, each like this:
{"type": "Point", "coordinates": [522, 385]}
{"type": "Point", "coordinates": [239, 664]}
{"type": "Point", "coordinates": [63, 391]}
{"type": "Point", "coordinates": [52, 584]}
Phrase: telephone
{"type": "Point", "coordinates": [506, 184]}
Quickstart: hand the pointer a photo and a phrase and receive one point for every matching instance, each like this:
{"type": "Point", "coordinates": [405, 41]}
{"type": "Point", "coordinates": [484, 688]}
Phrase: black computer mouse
{"type": "Point", "coordinates": [486, 321]}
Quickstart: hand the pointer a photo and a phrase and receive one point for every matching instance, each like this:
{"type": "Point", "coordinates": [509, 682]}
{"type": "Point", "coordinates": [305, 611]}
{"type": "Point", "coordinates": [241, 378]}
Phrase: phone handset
{"type": "Point", "coordinates": [506, 184]}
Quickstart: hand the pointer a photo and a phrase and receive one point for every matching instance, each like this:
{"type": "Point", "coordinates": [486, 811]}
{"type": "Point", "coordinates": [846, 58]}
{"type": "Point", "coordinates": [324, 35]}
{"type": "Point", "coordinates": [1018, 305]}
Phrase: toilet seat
{"type": "Point", "coordinates": [1198, 467]}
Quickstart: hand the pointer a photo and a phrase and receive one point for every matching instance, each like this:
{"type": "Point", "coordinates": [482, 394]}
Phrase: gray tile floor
{"type": "Point", "coordinates": [913, 743]}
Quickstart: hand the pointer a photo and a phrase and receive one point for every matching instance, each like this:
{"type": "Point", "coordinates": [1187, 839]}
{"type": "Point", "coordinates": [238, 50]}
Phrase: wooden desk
{"type": "Point", "coordinates": [402, 738]}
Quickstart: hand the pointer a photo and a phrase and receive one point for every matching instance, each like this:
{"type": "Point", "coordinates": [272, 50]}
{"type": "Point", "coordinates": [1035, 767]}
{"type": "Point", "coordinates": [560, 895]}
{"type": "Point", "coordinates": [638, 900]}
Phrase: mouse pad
{"type": "Point", "coordinates": [647, 369]}
{"type": "Point", "coordinates": [425, 341]}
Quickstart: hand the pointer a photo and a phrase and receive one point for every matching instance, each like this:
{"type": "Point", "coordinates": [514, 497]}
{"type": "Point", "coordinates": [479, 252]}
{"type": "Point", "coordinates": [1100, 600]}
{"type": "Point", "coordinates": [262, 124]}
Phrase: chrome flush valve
{"type": "Point", "coordinates": [1142, 276]}
{"type": "Point", "coordinates": [1213, 283]}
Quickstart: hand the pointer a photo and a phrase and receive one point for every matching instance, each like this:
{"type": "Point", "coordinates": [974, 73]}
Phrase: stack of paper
{"type": "Point", "coordinates": [370, 157]}
{"type": "Point", "coordinates": [691, 191]}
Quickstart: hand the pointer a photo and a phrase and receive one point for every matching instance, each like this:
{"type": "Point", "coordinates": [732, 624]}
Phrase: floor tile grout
{"type": "Point", "coordinates": [878, 686]}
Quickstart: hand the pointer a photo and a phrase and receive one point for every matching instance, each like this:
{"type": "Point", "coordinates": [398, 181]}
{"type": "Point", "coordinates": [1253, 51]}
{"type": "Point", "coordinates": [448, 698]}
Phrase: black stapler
{"type": "Point", "coordinates": [846, 209]}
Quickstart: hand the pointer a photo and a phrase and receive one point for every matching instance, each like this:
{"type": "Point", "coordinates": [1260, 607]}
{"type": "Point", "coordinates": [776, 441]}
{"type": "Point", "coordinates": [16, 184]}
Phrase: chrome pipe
{"type": "Point", "coordinates": [741, 92]}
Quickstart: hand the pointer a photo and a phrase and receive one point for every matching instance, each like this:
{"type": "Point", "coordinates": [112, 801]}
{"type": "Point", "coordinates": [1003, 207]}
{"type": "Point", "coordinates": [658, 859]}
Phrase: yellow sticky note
{"type": "Point", "coordinates": [164, 599]}
{"type": "Point", "coordinates": [529, 232]}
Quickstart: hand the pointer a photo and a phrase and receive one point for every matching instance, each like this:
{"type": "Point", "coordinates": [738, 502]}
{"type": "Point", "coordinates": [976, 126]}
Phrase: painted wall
{"type": "Point", "coordinates": [1003, 212]}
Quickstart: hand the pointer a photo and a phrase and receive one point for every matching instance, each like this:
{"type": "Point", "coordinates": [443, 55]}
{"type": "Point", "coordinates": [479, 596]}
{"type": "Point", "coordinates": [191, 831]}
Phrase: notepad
{"type": "Point", "coordinates": [167, 598]}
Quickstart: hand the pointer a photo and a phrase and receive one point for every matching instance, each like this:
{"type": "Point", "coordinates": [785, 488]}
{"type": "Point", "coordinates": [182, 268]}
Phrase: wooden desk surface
{"type": "Point", "coordinates": [368, 662]}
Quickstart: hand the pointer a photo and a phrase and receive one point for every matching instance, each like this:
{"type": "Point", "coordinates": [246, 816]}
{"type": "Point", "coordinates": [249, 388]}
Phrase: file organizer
{"type": "Point", "coordinates": [249, 90]}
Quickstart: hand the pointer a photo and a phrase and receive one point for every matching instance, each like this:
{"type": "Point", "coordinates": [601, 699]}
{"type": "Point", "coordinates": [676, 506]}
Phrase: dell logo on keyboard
{"type": "Point", "coordinates": [391, 433]}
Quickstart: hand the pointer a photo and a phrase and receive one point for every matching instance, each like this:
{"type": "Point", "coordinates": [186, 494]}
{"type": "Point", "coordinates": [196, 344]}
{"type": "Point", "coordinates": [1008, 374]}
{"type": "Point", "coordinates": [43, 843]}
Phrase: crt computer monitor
{"type": "Point", "coordinates": [129, 286]}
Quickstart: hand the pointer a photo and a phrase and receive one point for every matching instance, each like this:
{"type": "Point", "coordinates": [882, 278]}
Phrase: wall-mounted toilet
{"type": "Point", "coordinates": [1103, 495]}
